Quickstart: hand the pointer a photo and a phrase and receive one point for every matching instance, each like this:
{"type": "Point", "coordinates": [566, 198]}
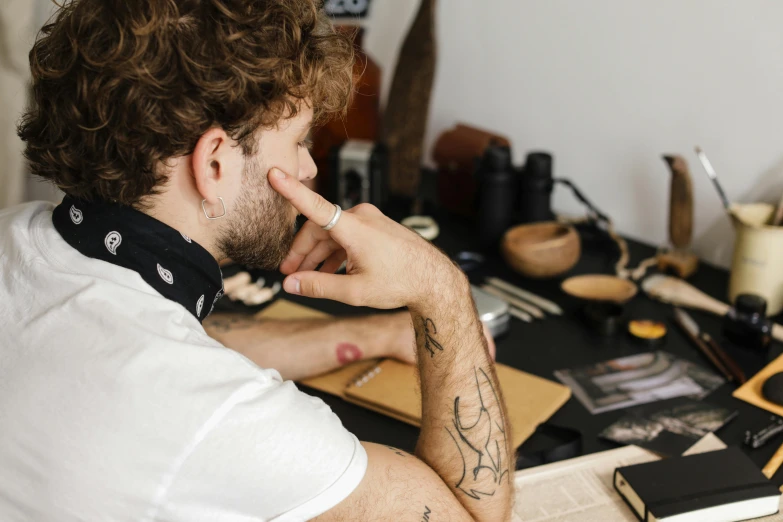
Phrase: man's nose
{"type": "Point", "coordinates": [307, 168]}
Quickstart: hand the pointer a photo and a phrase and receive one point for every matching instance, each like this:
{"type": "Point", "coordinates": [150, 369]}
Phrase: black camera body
{"type": "Point", "coordinates": [358, 173]}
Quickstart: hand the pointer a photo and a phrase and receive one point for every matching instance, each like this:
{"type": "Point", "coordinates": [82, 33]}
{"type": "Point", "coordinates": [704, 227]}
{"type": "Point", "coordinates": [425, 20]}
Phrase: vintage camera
{"type": "Point", "coordinates": [358, 173]}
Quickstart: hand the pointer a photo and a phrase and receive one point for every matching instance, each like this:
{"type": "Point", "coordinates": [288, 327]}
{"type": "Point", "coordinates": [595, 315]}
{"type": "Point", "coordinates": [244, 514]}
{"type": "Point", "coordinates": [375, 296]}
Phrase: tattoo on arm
{"type": "Point", "coordinates": [426, 516]}
{"type": "Point", "coordinates": [227, 323]}
{"type": "Point", "coordinates": [397, 451]}
{"type": "Point", "coordinates": [430, 330]}
{"type": "Point", "coordinates": [347, 353]}
{"type": "Point", "coordinates": [482, 445]}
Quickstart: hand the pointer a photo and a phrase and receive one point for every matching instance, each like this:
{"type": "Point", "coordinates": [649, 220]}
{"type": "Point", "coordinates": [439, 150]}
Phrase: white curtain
{"type": "Point", "coordinates": [19, 23]}
{"type": "Point", "coordinates": [16, 31]}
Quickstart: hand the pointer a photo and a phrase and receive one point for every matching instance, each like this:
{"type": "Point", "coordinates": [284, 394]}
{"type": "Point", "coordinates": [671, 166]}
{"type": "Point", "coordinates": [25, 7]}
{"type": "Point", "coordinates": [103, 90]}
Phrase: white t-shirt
{"type": "Point", "coordinates": [116, 406]}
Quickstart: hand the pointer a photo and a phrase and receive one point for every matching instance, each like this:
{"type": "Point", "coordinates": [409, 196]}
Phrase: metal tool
{"type": "Point", "coordinates": [513, 301]}
{"type": "Point", "coordinates": [758, 438]}
{"type": "Point", "coordinates": [714, 177]}
{"type": "Point", "coordinates": [530, 297]}
{"type": "Point", "coordinates": [493, 311]}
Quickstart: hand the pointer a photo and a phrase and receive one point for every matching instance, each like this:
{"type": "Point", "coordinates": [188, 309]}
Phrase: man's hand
{"type": "Point", "coordinates": [388, 265]}
{"type": "Point", "coordinates": [464, 440]}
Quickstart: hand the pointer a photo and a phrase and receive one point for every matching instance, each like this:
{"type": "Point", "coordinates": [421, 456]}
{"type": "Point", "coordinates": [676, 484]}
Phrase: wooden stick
{"type": "Point", "coordinates": [519, 314]}
{"type": "Point", "coordinates": [522, 305]}
{"type": "Point", "coordinates": [729, 363]}
{"type": "Point", "coordinates": [544, 304]}
{"type": "Point", "coordinates": [774, 463]}
{"type": "Point", "coordinates": [703, 347]}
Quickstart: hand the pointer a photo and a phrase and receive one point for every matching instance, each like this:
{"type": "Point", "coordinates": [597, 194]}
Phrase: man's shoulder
{"type": "Point", "coordinates": [17, 222]}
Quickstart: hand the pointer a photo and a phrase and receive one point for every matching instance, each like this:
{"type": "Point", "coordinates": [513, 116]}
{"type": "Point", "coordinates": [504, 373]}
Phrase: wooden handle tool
{"type": "Point", "coordinates": [729, 363]}
{"type": "Point", "coordinates": [688, 326]}
{"type": "Point", "coordinates": [680, 203]}
{"type": "Point", "coordinates": [679, 293]}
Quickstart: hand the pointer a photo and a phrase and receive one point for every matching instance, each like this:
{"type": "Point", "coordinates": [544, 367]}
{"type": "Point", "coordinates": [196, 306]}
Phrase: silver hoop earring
{"type": "Point", "coordinates": [204, 208]}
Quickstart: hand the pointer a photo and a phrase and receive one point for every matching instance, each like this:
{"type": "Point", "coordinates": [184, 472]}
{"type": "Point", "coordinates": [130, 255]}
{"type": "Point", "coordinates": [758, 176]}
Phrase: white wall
{"type": "Point", "coordinates": [610, 85]}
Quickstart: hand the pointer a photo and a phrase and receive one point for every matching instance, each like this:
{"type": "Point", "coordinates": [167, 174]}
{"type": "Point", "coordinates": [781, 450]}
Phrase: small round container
{"type": "Point", "coordinates": [647, 332]}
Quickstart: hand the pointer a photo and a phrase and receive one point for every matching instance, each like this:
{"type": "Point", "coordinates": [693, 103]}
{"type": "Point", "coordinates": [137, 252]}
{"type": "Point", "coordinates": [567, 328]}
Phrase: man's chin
{"type": "Point", "coordinates": [264, 257]}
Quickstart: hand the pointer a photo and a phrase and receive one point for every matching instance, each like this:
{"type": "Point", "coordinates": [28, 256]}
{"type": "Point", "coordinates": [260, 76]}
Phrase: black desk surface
{"type": "Point", "coordinates": [560, 342]}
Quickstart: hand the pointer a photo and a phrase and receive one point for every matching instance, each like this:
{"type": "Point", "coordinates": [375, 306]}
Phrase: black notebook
{"type": "Point", "coordinates": [719, 486]}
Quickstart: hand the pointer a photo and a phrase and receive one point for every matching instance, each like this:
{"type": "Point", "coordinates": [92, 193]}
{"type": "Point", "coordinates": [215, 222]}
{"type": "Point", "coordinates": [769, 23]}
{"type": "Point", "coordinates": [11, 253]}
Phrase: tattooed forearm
{"type": "Point", "coordinates": [478, 430]}
{"type": "Point", "coordinates": [426, 516]}
{"type": "Point", "coordinates": [397, 451]}
{"type": "Point", "coordinates": [227, 323]}
{"type": "Point", "coordinates": [429, 330]}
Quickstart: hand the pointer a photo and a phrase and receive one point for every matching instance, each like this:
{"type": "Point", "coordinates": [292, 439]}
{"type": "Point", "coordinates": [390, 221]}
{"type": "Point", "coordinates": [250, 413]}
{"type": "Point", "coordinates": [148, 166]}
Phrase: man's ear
{"type": "Point", "coordinates": [209, 163]}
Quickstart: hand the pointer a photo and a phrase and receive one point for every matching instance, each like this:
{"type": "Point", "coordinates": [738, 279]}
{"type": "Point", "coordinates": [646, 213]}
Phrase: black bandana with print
{"type": "Point", "coordinates": [170, 262]}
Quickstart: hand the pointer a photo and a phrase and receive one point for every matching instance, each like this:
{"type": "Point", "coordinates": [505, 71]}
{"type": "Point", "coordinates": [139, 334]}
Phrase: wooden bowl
{"type": "Point", "coordinates": [598, 287]}
{"type": "Point", "coordinates": [541, 249]}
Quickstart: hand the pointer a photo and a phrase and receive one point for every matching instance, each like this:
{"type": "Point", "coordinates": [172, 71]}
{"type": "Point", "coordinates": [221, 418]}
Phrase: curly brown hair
{"type": "Point", "coordinates": [119, 86]}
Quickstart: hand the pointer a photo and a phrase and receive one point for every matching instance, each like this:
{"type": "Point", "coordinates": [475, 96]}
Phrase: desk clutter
{"type": "Point", "coordinates": [391, 388]}
{"type": "Point", "coordinates": [665, 393]}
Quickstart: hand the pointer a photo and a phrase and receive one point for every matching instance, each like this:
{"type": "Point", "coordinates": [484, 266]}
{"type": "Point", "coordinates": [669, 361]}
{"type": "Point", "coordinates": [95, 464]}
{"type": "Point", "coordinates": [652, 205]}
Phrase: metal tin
{"type": "Point", "coordinates": [492, 311]}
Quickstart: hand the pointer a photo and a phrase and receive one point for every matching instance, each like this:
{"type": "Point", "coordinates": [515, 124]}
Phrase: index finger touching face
{"type": "Point", "coordinates": [313, 206]}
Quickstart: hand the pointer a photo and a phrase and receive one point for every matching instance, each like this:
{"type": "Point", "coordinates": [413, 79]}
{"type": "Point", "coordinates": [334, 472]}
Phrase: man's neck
{"type": "Point", "coordinates": [181, 214]}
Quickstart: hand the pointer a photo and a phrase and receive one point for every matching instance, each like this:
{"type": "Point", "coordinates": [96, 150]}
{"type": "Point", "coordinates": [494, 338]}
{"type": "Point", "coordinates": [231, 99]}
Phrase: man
{"type": "Point", "coordinates": [316, 346]}
{"type": "Point", "coordinates": [176, 129]}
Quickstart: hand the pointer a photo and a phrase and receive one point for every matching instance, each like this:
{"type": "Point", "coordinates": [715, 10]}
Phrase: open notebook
{"type": "Point", "coordinates": [392, 388]}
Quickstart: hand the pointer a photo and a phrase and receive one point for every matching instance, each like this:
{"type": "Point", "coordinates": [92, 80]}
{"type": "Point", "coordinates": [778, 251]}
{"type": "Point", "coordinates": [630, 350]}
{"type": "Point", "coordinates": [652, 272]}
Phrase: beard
{"type": "Point", "coordinates": [262, 226]}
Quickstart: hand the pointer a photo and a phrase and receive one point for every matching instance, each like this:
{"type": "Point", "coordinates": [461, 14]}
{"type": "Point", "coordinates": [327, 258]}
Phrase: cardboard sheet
{"type": "Point", "coordinates": [751, 390]}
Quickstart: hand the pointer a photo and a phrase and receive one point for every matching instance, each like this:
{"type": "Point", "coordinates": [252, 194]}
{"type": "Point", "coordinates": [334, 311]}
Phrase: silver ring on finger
{"type": "Point", "coordinates": [337, 213]}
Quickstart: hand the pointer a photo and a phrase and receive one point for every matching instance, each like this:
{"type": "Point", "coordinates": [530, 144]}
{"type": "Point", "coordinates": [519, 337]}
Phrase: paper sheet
{"type": "Point", "coordinates": [581, 490]}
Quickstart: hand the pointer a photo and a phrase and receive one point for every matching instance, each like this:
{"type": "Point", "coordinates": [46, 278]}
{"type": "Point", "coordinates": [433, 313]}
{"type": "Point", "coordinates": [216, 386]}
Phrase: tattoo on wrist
{"type": "Point", "coordinates": [348, 353]}
{"type": "Point", "coordinates": [397, 451]}
{"type": "Point", "coordinates": [430, 330]}
{"type": "Point", "coordinates": [226, 323]}
{"type": "Point", "coordinates": [426, 516]}
{"type": "Point", "coordinates": [482, 444]}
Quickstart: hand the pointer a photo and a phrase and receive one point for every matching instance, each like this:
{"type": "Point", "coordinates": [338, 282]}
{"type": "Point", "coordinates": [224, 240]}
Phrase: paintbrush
{"type": "Point", "coordinates": [714, 177]}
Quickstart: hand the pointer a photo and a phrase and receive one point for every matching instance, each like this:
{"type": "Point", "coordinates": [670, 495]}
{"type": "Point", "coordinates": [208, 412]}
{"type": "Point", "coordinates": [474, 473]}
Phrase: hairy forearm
{"type": "Point", "coordinates": [302, 348]}
{"type": "Point", "coordinates": [465, 436]}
